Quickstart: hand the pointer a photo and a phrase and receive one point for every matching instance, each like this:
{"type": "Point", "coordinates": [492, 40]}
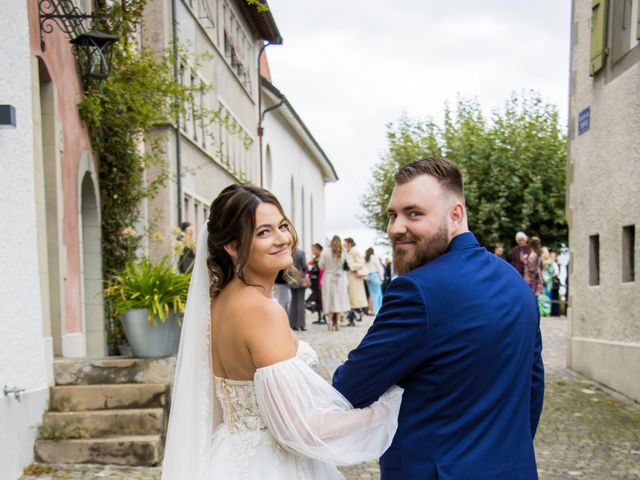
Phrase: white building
{"type": "Point", "coordinates": [206, 158]}
{"type": "Point", "coordinates": [23, 355]}
{"type": "Point", "coordinates": [603, 179]}
{"type": "Point", "coordinates": [295, 167]}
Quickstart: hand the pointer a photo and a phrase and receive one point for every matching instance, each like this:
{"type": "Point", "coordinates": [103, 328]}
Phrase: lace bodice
{"type": "Point", "coordinates": [239, 407]}
{"type": "Point", "coordinates": [240, 410]}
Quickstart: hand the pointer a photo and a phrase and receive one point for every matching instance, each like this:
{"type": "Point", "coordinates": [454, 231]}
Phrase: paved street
{"type": "Point", "coordinates": [586, 432]}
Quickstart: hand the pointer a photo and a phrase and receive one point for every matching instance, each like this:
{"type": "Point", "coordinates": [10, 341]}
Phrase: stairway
{"type": "Point", "coordinates": [107, 411]}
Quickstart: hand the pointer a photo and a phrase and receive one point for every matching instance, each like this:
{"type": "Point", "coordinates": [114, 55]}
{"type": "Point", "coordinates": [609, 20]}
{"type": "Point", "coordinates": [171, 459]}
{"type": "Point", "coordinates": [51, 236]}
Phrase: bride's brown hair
{"type": "Point", "coordinates": [233, 220]}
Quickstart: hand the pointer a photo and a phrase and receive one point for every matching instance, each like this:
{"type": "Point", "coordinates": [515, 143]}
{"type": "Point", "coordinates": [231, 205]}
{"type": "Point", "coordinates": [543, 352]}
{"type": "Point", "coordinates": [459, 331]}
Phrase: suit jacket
{"type": "Point", "coordinates": [461, 335]}
{"type": "Point", "coordinates": [300, 262]}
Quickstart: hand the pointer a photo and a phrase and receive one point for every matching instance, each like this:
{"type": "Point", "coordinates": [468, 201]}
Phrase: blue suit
{"type": "Point", "coordinates": [461, 335]}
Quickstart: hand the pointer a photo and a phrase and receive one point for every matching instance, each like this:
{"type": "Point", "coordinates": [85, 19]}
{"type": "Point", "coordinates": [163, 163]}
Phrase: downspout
{"type": "Point", "coordinates": [176, 72]}
{"type": "Point", "coordinates": [260, 129]}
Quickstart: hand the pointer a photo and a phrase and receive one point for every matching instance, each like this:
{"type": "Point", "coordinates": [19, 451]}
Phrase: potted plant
{"type": "Point", "coordinates": [149, 299]}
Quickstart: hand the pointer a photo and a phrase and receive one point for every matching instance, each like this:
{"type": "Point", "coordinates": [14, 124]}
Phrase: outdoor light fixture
{"type": "Point", "coordinates": [93, 49]}
{"type": "Point", "coordinates": [7, 116]}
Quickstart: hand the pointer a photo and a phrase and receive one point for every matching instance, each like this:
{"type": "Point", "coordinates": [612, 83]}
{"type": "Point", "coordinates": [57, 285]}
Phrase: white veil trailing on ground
{"type": "Point", "coordinates": [195, 410]}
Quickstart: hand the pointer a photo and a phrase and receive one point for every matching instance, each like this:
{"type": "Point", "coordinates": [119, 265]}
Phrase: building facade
{"type": "Point", "coordinates": [221, 41]}
{"type": "Point", "coordinates": [603, 183]}
{"type": "Point", "coordinates": [50, 209]}
{"type": "Point", "coordinates": [296, 168]}
{"type": "Point", "coordinates": [51, 281]}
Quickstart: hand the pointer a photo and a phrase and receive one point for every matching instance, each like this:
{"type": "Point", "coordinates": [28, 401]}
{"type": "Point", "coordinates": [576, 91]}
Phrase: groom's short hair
{"type": "Point", "coordinates": [443, 169]}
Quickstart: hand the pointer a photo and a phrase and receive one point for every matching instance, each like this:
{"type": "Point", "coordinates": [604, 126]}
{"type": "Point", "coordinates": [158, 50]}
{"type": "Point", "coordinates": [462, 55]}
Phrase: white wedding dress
{"type": "Point", "coordinates": [288, 423]}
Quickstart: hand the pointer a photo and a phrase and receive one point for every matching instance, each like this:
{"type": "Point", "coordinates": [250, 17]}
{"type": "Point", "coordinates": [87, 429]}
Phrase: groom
{"type": "Point", "coordinates": [459, 331]}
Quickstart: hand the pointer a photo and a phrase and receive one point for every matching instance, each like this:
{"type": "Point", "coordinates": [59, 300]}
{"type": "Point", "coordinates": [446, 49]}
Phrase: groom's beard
{"type": "Point", "coordinates": [425, 250]}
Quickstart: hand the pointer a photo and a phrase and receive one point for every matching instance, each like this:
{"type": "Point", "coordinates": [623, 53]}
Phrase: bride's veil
{"type": "Point", "coordinates": [195, 411]}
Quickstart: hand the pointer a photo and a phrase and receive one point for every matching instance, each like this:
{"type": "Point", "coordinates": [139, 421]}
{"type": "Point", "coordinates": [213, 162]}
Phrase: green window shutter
{"type": "Point", "coordinates": [599, 9]}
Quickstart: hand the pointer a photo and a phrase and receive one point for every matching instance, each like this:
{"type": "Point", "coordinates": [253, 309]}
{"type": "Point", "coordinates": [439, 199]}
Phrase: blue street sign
{"type": "Point", "coordinates": [584, 120]}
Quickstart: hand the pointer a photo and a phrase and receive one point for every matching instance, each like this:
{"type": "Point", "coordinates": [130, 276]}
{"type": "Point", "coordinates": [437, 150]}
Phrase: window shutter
{"type": "Point", "coordinates": [599, 9]}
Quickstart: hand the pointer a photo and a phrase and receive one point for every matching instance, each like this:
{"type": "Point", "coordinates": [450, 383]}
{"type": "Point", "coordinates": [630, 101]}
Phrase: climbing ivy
{"type": "Point", "coordinates": [121, 112]}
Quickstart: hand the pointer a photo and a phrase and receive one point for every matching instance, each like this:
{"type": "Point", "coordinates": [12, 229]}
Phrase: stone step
{"type": "Point", "coordinates": [73, 398]}
{"type": "Point", "coordinates": [102, 423]}
{"type": "Point", "coordinates": [144, 450]}
{"type": "Point", "coordinates": [85, 371]}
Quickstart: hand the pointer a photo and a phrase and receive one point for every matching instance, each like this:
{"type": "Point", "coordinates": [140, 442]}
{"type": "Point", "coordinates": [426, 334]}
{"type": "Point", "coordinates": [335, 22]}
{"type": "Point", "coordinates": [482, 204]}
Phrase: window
{"type": "Point", "coordinates": [194, 120]}
{"type": "Point", "coordinates": [628, 253]}
{"type": "Point", "coordinates": [303, 229]}
{"type": "Point", "coordinates": [183, 115]}
{"type": "Point", "coordinates": [599, 10]}
{"type": "Point", "coordinates": [237, 47]}
{"type": "Point", "coordinates": [269, 169]}
{"type": "Point", "coordinates": [185, 213]}
{"type": "Point", "coordinates": [196, 217]}
{"type": "Point", "coordinates": [203, 128]}
{"type": "Point", "coordinates": [313, 237]}
{"type": "Point", "coordinates": [624, 28]}
{"type": "Point", "coordinates": [594, 260]}
{"type": "Point", "coordinates": [293, 202]}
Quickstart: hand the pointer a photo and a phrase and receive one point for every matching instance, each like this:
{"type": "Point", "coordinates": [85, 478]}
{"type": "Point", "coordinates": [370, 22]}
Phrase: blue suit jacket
{"type": "Point", "coordinates": [461, 335]}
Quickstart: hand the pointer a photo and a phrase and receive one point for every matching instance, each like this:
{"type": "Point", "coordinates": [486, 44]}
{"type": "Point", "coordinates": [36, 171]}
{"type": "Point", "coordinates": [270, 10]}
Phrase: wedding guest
{"type": "Point", "coordinates": [518, 251]}
{"type": "Point", "coordinates": [357, 294]}
{"type": "Point", "coordinates": [532, 262]}
{"type": "Point", "coordinates": [335, 295]}
{"type": "Point", "coordinates": [315, 274]}
{"type": "Point", "coordinates": [544, 299]}
{"type": "Point", "coordinates": [375, 273]}
{"type": "Point", "coordinates": [283, 292]}
{"type": "Point", "coordinates": [555, 285]}
{"type": "Point", "coordinates": [296, 306]}
{"type": "Point", "coordinates": [185, 261]}
{"type": "Point", "coordinates": [388, 273]}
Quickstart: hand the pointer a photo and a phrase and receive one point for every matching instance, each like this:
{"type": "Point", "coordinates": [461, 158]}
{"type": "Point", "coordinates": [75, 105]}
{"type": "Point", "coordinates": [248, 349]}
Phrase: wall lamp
{"type": "Point", "coordinates": [93, 48]}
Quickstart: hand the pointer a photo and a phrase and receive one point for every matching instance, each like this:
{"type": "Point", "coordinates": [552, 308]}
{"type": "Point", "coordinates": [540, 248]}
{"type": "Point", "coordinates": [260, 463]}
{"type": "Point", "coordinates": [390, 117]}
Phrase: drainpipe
{"type": "Point", "coordinates": [260, 115]}
{"type": "Point", "coordinates": [176, 72]}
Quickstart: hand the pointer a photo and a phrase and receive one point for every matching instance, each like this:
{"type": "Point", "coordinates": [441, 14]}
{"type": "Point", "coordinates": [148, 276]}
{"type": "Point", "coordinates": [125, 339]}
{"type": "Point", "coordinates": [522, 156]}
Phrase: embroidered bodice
{"type": "Point", "coordinates": [240, 410]}
{"type": "Point", "coordinates": [239, 407]}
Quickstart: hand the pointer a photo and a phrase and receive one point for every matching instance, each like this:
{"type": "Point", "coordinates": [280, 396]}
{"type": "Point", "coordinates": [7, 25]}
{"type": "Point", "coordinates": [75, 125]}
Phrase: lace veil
{"type": "Point", "coordinates": [195, 410]}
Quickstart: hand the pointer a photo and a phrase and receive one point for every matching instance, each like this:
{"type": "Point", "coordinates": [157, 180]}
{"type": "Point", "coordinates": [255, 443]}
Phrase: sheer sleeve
{"type": "Point", "coordinates": [308, 416]}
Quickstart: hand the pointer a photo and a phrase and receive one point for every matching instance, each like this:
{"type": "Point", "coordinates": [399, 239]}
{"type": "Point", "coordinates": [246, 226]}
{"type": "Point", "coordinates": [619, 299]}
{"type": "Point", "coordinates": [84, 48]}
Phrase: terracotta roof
{"type": "Point", "coordinates": [262, 23]}
{"type": "Point", "coordinates": [264, 66]}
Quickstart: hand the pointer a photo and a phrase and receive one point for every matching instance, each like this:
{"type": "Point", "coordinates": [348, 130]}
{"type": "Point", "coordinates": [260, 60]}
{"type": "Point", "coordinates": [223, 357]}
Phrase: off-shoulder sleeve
{"type": "Point", "coordinates": [308, 416]}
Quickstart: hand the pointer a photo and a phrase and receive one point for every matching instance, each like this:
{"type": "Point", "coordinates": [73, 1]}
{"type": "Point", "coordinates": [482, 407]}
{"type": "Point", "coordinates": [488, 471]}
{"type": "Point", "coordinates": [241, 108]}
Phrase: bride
{"type": "Point", "coordinates": [246, 401]}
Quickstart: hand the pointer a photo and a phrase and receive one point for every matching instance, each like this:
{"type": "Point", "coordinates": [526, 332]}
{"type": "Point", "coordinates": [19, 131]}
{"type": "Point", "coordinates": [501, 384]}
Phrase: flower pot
{"type": "Point", "coordinates": [148, 341]}
{"type": "Point", "coordinates": [125, 350]}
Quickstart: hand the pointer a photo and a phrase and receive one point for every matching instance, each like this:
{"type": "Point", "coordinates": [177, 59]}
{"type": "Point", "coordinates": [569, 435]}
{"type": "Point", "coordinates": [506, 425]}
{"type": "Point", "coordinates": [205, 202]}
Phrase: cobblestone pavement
{"type": "Point", "coordinates": [586, 432]}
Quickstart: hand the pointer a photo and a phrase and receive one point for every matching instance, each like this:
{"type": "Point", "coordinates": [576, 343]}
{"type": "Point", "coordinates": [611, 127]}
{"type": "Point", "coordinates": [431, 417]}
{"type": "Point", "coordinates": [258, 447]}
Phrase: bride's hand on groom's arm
{"type": "Point", "coordinates": [395, 344]}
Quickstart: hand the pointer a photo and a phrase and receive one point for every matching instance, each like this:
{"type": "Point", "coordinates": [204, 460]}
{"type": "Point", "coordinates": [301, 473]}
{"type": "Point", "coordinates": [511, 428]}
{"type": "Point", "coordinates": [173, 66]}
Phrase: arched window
{"type": "Point", "coordinates": [293, 202]}
{"type": "Point", "coordinates": [303, 229]}
{"type": "Point", "coordinates": [313, 237]}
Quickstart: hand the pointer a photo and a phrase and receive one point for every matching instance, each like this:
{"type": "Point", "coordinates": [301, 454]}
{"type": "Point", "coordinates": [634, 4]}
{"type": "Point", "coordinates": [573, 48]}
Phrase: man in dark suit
{"type": "Point", "coordinates": [459, 331]}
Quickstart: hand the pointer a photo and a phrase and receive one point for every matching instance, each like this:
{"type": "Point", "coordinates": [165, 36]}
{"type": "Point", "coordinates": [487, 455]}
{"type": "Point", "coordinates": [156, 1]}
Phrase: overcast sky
{"type": "Point", "coordinates": [350, 67]}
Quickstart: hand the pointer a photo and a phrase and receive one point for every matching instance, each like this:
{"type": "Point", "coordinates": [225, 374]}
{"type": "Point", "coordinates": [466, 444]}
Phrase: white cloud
{"type": "Point", "coordinates": [350, 68]}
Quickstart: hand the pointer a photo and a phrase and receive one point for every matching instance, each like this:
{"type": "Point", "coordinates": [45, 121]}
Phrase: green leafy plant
{"type": "Point", "coordinates": [154, 286]}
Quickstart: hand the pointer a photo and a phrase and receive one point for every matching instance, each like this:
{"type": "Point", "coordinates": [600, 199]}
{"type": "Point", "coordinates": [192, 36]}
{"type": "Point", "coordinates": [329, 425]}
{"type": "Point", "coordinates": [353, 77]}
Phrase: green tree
{"type": "Point", "coordinates": [513, 166]}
